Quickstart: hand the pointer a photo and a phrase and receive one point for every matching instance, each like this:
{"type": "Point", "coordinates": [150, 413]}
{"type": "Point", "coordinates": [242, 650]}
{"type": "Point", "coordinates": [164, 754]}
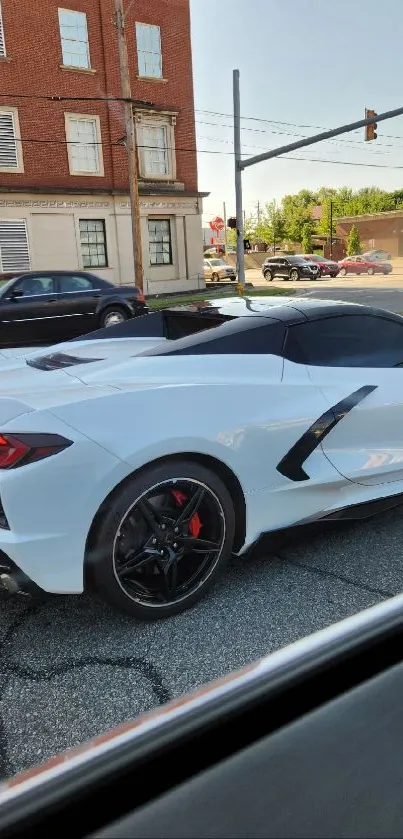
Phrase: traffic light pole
{"type": "Point", "coordinates": [240, 253]}
{"type": "Point", "coordinates": [317, 138]}
{"type": "Point", "coordinates": [240, 164]}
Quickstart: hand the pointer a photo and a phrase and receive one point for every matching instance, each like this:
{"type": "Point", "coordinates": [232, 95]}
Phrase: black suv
{"type": "Point", "coordinates": [289, 268]}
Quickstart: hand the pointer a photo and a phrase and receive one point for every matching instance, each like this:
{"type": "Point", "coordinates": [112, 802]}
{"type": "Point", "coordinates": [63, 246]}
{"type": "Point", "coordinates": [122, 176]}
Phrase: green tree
{"type": "Point", "coordinates": [271, 225]}
{"type": "Point", "coordinates": [353, 242]}
{"type": "Point", "coordinates": [306, 239]}
{"type": "Point", "coordinates": [298, 221]}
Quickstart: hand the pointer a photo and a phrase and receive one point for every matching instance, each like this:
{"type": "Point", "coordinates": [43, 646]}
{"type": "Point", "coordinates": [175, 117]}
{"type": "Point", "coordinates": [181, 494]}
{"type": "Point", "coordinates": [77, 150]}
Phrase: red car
{"type": "Point", "coordinates": [360, 265]}
{"type": "Point", "coordinates": [327, 267]}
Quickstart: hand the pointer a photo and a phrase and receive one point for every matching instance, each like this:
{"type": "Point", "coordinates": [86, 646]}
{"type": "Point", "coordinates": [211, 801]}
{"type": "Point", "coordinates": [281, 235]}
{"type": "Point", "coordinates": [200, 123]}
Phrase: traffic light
{"type": "Point", "coordinates": [370, 130]}
{"type": "Point", "coordinates": [232, 223]}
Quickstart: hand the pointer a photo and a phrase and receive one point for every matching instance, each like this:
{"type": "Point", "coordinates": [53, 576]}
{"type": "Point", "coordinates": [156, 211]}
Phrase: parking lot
{"type": "Point", "coordinates": [70, 668]}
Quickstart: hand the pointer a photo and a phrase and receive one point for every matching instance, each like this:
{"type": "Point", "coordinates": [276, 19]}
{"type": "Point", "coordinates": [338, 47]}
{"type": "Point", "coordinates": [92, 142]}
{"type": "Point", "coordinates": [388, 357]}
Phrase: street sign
{"type": "Point", "coordinates": [217, 224]}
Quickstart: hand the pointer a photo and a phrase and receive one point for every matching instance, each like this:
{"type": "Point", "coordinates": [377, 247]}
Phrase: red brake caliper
{"type": "Point", "coordinates": [195, 524]}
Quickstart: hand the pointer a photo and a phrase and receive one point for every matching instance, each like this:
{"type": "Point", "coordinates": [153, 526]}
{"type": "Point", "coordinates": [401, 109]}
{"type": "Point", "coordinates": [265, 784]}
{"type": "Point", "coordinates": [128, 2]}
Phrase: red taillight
{"type": "Point", "coordinates": [141, 297]}
{"type": "Point", "coordinates": [28, 448]}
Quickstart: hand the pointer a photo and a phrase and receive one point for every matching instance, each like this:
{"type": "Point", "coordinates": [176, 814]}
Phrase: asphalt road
{"type": "Point", "coordinates": [70, 668]}
{"type": "Point", "coordinates": [390, 299]}
{"type": "Point", "coordinates": [384, 292]}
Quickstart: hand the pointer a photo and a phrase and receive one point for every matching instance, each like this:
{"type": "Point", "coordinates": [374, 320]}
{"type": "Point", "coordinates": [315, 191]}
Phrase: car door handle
{"type": "Point", "coordinates": [52, 300]}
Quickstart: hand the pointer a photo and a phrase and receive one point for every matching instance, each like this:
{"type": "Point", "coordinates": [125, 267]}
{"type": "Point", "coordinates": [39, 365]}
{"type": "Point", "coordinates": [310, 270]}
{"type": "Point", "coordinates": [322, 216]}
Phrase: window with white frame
{"type": "Point", "coordinates": [83, 134]}
{"type": "Point", "coordinates": [14, 245]}
{"type": "Point", "coordinates": [2, 39]}
{"type": "Point", "coordinates": [10, 142]}
{"type": "Point", "coordinates": [149, 54]}
{"type": "Point", "coordinates": [93, 243]}
{"type": "Point", "coordinates": [156, 147]}
{"type": "Point", "coordinates": [74, 39]}
{"type": "Point", "coordinates": [160, 241]}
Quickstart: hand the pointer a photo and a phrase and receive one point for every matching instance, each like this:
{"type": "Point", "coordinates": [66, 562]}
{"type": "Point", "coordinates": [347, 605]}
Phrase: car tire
{"type": "Point", "coordinates": [215, 278]}
{"type": "Point", "coordinates": [113, 315]}
{"type": "Point", "coordinates": [124, 528]}
{"type": "Point", "coordinates": [343, 272]}
{"type": "Point", "coordinates": [370, 271]}
{"type": "Point", "coordinates": [294, 275]}
{"type": "Point", "coordinates": [268, 275]}
{"type": "Point", "coordinates": [319, 274]}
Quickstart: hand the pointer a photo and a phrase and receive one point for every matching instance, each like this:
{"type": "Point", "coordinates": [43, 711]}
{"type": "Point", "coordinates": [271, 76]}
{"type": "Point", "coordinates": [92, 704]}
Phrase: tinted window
{"type": "Point", "coordinates": [31, 286]}
{"type": "Point", "coordinates": [74, 282]}
{"type": "Point", "coordinates": [296, 260]}
{"type": "Point", "coordinates": [347, 341]}
{"type": "Point", "coordinates": [249, 335]}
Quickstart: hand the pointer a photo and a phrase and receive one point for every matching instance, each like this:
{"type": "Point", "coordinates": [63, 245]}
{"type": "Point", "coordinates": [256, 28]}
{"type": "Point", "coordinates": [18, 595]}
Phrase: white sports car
{"type": "Point", "coordinates": [137, 477]}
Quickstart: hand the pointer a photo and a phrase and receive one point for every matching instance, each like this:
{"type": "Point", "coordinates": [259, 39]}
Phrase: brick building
{"type": "Point", "coordinates": [377, 231]}
{"type": "Point", "coordinates": [64, 199]}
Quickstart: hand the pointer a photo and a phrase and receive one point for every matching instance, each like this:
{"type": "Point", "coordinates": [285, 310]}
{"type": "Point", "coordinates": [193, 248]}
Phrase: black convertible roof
{"type": "Point", "coordinates": [258, 328]}
{"type": "Point", "coordinates": [178, 321]}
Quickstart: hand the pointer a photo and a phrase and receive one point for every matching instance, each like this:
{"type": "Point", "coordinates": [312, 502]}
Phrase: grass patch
{"type": "Point", "coordinates": [163, 302]}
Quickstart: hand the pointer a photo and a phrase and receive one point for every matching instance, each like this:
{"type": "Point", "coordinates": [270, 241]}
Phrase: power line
{"type": "Point", "coordinates": [57, 98]}
{"type": "Point", "coordinates": [355, 143]}
{"type": "Point", "coordinates": [281, 122]}
{"type": "Point", "coordinates": [146, 103]}
{"type": "Point", "coordinates": [208, 151]}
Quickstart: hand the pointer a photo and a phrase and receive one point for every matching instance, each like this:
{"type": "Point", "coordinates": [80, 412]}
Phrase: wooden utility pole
{"type": "Point", "coordinates": [131, 145]}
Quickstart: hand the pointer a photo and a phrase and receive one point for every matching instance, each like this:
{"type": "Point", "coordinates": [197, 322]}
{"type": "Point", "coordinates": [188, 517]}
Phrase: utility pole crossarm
{"type": "Point", "coordinates": [316, 138]}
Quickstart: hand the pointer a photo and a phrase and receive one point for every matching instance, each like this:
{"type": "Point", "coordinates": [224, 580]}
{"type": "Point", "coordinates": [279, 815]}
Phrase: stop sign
{"type": "Point", "coordinates": [217, 224]}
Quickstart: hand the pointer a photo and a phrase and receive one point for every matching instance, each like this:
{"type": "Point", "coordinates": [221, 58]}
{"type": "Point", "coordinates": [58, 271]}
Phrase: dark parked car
{"type": "Point", "coordinates": [289, 268]}
{"type": "Point", "coordinates": [327, 267]}
{"type": "Point", "coordinates": [49, 306]}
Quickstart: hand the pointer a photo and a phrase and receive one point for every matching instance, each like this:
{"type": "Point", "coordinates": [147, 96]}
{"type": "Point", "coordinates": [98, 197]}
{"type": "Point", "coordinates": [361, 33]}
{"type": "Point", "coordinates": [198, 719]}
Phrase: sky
{"type": "Point", "coordinates": [304, 65]}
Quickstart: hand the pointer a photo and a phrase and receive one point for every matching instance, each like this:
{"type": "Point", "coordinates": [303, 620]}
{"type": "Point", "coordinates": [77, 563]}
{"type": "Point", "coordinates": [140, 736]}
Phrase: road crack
{"type": "Point", "coordinates": [336, 576]}
{"type": "Point", "coordinates": [9, 668]}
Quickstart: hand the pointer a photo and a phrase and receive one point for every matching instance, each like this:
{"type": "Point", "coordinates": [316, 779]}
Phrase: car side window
{"type": "Point", "coordinates": [240, 336]}
{"type": "Point", "coordinates": [74, 282]}
{"type": "Point", "coordinates": [346, 341]}
{"type": "Point", "coordinates": [33, 286]}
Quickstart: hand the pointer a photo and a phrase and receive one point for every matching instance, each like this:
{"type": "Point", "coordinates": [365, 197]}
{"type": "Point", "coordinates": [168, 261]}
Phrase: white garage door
{"type": "Point", "coordinates": [14, 246]}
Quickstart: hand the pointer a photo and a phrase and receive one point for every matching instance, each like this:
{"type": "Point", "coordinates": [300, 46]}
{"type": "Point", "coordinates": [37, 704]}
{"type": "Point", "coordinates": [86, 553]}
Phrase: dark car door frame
{"type": "Point", "coordinates": [27, 319]}
{"type": "Point", "coordinates": [78, 307]}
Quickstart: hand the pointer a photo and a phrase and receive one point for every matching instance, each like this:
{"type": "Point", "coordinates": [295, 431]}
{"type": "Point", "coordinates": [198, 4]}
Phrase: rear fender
{"type": "Point", "coordinates": [114, 300]}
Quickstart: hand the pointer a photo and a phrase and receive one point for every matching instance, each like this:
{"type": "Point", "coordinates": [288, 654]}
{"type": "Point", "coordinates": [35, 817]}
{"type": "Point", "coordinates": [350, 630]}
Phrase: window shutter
{"type": "Point", "coordinates": [8, 142]}
{"type": "Point", "coordinates": [2, 41]}
{"type": "Point", "coordinates": [14, 247]}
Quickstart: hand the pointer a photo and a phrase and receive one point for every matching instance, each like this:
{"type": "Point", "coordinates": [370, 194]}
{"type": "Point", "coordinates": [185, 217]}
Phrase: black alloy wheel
{"type": "Point", "coordinates": [268, 275]}
{"type": "Point", "coordinates": [163, 541]}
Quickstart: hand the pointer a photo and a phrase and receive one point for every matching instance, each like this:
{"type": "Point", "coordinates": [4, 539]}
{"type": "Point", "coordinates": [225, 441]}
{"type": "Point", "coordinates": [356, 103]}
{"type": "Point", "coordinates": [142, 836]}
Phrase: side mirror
{"type": "Point", "coordinates": [17, 292]}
